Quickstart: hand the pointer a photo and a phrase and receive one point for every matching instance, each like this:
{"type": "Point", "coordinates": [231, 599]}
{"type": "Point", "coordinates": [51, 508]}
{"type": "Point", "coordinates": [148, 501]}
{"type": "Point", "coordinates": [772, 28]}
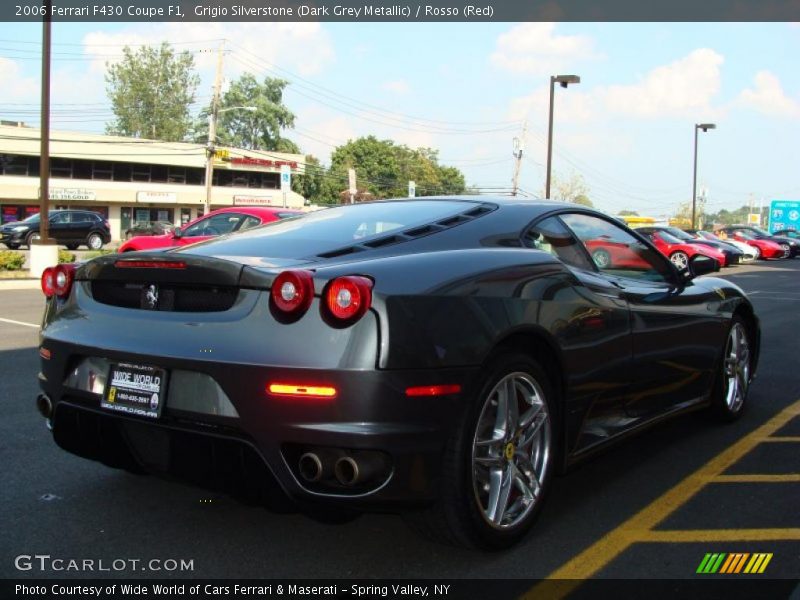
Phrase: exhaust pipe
{"type": "Point", "coordinates": [44, 405]}
{"type": "Point", "coordinates": [350, 470]}
{"type": "Point", "coordinates": [310, 467]}
{"type": "Point", "coordinates": [317, 464]}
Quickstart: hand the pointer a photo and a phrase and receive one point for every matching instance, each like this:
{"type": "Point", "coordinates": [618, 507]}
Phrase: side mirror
{"type": "Point", "coordinates": [701, 265]}
{"type": "Point", "coordinates": [177, 233]}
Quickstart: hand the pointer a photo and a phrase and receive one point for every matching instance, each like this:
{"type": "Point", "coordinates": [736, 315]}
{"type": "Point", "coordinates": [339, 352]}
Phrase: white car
{"type": "Point", "coordinates": [750, 252]}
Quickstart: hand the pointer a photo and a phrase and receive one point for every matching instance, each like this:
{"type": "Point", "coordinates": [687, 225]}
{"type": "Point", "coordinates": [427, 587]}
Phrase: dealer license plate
{"type": "Point", "coordinates": [135, 389]}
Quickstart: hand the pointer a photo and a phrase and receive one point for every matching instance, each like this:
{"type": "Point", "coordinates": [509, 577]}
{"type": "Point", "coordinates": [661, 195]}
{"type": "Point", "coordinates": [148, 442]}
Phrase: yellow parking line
{"type": "Point", "coordinates": [720, 535]}
{"type": "Point", "coordinates": [605, 550]}
{"type": "Point", "coordinates": [783, 438]}
{"type": "Point", "coordinates": [756, 478]}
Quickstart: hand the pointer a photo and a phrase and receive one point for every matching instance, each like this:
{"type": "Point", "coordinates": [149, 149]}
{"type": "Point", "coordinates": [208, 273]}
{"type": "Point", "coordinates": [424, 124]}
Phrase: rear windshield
{"type": "Point", "coordinates": [330, 229]}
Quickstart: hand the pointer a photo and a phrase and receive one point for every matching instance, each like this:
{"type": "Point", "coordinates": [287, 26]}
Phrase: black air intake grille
{"type": "Point", "coordinates": [168, 297]}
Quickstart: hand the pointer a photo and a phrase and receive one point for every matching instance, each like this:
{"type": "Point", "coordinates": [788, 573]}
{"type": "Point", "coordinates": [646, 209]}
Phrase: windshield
{"type": "Point", "coordinates": [708, 235]}
{"type": "Point", "coordinates": [32, 219]}
{"type": "Point", "coordinates": [745, 236]}
{"type": "Point", "coordinates": [760, 231]}
{"type": "Point", "coordinates": [670, 239]}
{"type": "Point", "coordinates": [681, 235]}
{"type": "Point", "coordinates": [327, 230]}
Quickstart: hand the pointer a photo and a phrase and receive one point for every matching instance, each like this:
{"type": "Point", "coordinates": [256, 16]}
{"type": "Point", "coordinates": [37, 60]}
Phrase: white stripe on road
{"type": "Point", "coordinates": [13, 322]}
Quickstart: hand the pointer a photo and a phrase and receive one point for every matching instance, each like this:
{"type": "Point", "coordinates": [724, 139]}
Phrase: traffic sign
{"type": "Point", "coordinates": [286, 178]}
{"type": "Point", "coordinates": [784, 214]}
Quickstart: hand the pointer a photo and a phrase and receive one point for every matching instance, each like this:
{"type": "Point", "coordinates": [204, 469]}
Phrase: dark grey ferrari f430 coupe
{"type": "Point", "coordinates": [439, 357]}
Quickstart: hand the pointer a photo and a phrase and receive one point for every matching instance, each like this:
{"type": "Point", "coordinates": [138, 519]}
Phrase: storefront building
{"type": "Point", "coordinates": [130, 180]}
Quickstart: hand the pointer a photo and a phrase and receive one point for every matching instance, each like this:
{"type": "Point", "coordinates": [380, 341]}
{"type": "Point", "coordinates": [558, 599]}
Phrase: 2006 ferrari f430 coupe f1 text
{"type": "Point", "coordinates": [440, 357]}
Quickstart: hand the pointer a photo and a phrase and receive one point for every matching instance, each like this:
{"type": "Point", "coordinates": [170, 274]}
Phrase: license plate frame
{"type": "Point", "coordinates": [139, 390]}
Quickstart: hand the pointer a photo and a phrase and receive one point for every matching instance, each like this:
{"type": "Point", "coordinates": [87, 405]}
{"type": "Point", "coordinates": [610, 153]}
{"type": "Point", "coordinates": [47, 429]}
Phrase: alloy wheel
{"type": "Point", "coordinates": [511, 451]}
{"type": "Point", "coordinates": [95, 242]}
{"type": "Point", "coordinates": [680, 260]}
{"type": "Point", "coordinates": [737, 368]}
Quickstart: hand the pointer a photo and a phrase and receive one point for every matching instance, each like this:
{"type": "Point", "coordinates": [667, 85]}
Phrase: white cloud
{"type": "Point", "coordinates": [304, 48]}
{"type": "Point", "coordinates": [767, 96]}
{"type": "Point", "coordinates": [535, 49]}
{"type": "Point", "coordinates": [683, 87]}
{"type": "Point", "coordinates": [399, 86]}
{"type": "Point", "coordinates": [15, 87]}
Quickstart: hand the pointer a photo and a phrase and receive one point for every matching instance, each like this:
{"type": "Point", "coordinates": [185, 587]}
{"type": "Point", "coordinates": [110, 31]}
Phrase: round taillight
{"type": "Point", "coordinates": [348, 298]}
{"type": "Point", "coordinates": [62, 279]}
{"type": "Point", "coordinates": [293, 291]}
{"type": "Point", "coordinates": [48, 282]}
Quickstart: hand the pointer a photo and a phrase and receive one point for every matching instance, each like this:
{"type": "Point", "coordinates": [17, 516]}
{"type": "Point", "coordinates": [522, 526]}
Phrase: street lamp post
{"type": "Point", "coordinates": [705, 127]}
{"type": "Point", "coordinates": [564, 81]}
{"type": "Point", "coordinates": [211, 149]}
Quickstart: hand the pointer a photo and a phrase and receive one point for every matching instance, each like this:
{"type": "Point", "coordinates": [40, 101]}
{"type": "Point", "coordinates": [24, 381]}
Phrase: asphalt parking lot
{"type": "Point", "coordinates": [652, 507]}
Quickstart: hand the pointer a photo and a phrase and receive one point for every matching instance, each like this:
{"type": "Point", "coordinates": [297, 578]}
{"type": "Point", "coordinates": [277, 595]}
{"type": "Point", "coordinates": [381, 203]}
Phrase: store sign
{"type": "Point", "coordinates": [254, 201]}
{"type": "Point", "coordinates": [70, 194]}
{"type": "Point", "coordinates": [784, 214]}
{"type": "Point", "coordinates": [244, 161]}
{"type": "Point", "coordinates": [156, 197]}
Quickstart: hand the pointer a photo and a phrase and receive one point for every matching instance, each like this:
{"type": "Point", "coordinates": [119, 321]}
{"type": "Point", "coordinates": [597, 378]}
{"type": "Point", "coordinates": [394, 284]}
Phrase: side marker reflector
{"type": "Point", "coordinates": [301, 391]}
{"type": "Point", "coordinates": [433, 390]}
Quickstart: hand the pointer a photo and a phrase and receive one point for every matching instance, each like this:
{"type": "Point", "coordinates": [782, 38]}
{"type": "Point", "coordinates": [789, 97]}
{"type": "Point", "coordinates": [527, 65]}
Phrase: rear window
{"type": "Point", "coordinates": [329, 229]}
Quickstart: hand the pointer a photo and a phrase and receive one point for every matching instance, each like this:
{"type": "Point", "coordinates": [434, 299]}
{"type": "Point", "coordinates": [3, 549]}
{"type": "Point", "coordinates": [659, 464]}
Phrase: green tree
{"type": "Point", "coordinates": [310, 184]}
{"type": "Point", "coordinates": [151, 90]}
{"type": "Point", "coordinates": [258, 129]}
{"type": "Point", "coordinates": [573, 189]}
{"type": "Point", "coordinates": [384, 169]}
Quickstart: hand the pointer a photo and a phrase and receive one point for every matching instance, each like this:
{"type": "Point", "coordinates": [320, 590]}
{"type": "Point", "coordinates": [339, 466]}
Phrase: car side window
{"type": "Point", "coordinates": [217, 225]}
{"type": "Point", "coordinates": [249, 222]}
{"type": "Point", "coordinates": [59, 219]}
{"type": "Point", "coordinates": [617, 252]}
{"type": "Point", "coordinates": [551, 236]}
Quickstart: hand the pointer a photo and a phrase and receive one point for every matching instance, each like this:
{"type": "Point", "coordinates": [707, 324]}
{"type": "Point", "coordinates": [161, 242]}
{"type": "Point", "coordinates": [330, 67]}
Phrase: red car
{"type": "Point", "coordinates": [767, 248]}
{"type": "Point", "coordinates": [680, 252]}
{"type": "Point", "coordinates": [218, 222]}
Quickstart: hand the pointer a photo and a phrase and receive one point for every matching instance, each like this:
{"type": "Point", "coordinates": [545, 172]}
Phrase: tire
{"type": "Point", "coordinates": [787, 250]}
{"type": "Point", "coordinates": [71, 246]}
{"type": "Point", "coordinates": [733, 375]}
{"type": "Point", "coordinates": [680, 260]}
{"type": "Point", "coordinates": [30, 238]}
{"type": "Point", "coordinates": [12, 246]}
{"type": "Point", "coordinates": [602, 259]}
{"type": "Point", "coordinates": [492, 486]}
{"type": "Point", "coordinates": [94, 241]}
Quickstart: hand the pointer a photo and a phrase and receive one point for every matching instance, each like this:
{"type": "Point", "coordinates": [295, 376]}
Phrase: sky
{"type": "Point", "coordinates": [466, 89]}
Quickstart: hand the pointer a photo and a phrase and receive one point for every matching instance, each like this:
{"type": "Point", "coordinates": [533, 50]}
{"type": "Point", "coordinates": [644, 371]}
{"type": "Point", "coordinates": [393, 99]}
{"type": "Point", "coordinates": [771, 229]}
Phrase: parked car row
{"type": "Point", "coordinates": [728, 246]}
{"type": "Point", "coordinates": [73, 228]}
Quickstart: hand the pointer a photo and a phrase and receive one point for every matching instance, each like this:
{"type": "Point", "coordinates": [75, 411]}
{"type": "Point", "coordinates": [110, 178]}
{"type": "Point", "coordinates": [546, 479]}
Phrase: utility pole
{"type": "Point", "coordinates": [44, 147]}
{"type": "Point", "coordinates": [212, 127]}
{"type": "Point", "coordinates": [519, 147]}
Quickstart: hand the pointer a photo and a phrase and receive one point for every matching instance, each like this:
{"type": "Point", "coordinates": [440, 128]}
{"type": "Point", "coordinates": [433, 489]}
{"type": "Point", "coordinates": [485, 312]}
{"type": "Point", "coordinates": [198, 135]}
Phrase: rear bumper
{"type": "Point", "coordinates": [255, 454]}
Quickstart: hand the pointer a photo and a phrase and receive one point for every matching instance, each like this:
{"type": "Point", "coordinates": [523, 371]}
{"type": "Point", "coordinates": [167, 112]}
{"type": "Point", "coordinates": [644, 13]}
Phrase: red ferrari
{"type": "Point", "coordinates": [767, 248]}
{"type": "Point", "coordinates": [215, 223]}
{"type": "Point", "coordinates": [680, 252]}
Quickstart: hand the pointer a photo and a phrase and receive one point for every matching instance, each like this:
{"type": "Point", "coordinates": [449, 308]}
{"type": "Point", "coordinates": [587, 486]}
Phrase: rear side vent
{"type": "Point", "coordinates": [419, 231]}
{"type": "Point", "coordinates": [340, 252]}
{"type": "Point", "coordinates": [452, 221]}
{"type": "Point", "coordinates": [386, 241]}
{"type": "Point", "coordinates": [478, 211]}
